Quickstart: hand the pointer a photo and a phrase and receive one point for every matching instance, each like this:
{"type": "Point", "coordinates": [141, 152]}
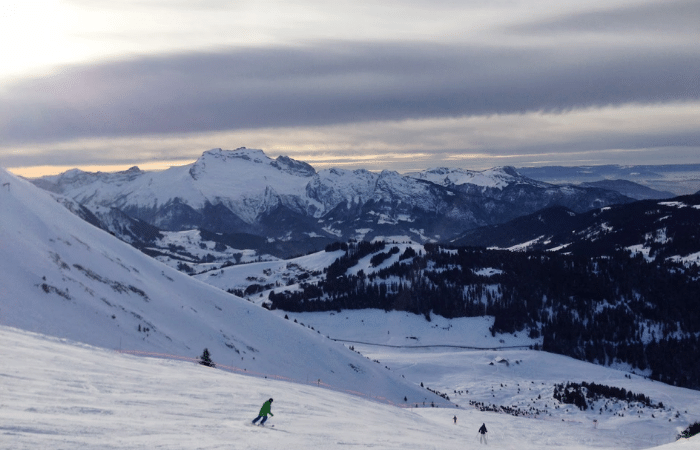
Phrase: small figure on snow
{"type": "Point", "coordinates": [482, 432]}
{"type": "Point", "coordinates": [264, 411]}
{"type": "Point", "coordinates": [455, 419]}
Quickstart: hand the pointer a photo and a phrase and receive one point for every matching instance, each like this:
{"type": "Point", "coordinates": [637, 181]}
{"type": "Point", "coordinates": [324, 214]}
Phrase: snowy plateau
{"type": "Point", "coordinates": [100, 348]}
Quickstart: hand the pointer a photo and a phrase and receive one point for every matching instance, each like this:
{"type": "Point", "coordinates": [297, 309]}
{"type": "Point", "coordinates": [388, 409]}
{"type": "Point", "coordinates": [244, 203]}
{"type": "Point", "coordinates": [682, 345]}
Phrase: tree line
{"type": "Point", "coordinates": [615, 308]}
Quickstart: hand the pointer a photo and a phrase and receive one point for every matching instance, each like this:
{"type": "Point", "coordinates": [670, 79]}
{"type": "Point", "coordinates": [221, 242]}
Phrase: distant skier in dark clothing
{"type": "Point", "coordinates": [482, 432]}
{"type": "Point", "coordinates": [264, 411]}
{"type": "Point", "coordinates": [455, 419]}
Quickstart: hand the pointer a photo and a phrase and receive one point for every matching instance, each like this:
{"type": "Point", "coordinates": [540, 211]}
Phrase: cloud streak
{"type": "Point", "coordinates": [612, 135]}
{"type": "Point", "coordinates": [670, 16]}
{"type": "Point", "coordinates": [335, 83]}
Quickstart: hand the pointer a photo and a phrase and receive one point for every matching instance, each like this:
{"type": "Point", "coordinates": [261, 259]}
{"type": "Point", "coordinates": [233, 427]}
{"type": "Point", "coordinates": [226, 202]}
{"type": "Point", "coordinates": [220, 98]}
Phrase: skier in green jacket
{"type": "Point", "coordinates": [264, 411]}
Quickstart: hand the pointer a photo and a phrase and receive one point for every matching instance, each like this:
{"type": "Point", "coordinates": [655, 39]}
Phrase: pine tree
{"type": "Point", "coordinates": [205, 359]}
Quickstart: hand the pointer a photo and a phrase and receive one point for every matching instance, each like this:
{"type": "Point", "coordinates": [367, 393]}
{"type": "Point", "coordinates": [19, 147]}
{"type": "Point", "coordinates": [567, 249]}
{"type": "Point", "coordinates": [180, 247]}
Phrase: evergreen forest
{"type": "Point", "coordinates": [606, 310]}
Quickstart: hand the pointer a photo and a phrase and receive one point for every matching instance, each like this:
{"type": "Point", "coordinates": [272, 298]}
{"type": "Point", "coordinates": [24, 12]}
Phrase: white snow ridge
{"type": "Point", "coordinates": [72, 296]}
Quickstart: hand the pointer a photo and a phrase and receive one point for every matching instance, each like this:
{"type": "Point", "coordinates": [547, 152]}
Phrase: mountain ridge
{"type": "Point", "coordinates": [663, 227]}
{"type": "Point", "coordinates": [245, 191]}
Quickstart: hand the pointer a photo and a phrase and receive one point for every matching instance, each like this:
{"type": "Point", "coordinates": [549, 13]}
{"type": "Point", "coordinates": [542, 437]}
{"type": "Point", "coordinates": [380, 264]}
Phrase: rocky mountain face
{"type": "Point", "coordinates": [244, 192]}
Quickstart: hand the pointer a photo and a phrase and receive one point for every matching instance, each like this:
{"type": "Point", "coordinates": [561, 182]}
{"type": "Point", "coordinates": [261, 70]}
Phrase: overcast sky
{"type": "Point", "coordinates": [400, 85]}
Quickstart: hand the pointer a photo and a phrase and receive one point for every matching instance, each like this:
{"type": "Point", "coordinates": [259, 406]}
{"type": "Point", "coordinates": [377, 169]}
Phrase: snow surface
{"type": "Point", "coordinates": [63, 277]}
{"type": "Point", "coordinates": [640, 249]}
{"type": "Point", "coordinates": [693, 258]}
{"type": "Point", "coordinates": [58, 394]}
{"type": "Point", "coordinates": [287, 274]}
{"type": "Point", "coordinates": [436, 354]}
{"type": "Point", "coordinates": [495, 178]}
{"type": "Point", "coordinates": [520, 247]}
{"type": "Point", "coordinates": [199, 249]}
{"type": "Point", "coordinates": [488, 272]}
{"type": "Point", "coordinates": [275, 273]}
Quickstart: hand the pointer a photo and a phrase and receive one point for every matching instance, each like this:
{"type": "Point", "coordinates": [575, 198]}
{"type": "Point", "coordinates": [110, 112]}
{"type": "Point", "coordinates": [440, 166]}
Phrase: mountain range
{"type": "Point", "coordinates": [282, 207]}
{"type": "Point", "coordinates": [668, 180]}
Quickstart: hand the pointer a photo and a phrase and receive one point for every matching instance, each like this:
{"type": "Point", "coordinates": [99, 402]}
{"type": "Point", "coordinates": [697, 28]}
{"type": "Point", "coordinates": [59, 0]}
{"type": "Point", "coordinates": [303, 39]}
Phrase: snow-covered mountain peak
{"type": "Point", "coordinates": [397, 185]}
{"type": "Point", "coordinates": [70, 174]}
{"type": "Point", "coordinates": [234, 162]}
{"type": "Point", "coordinates": [336, 173]}
{"type": "Point", "coordinates": [293, 167]}
{"type": "Point", "coordinates": [247, 154]}
{"type": "Point", "coordinates": [508, 170]}
{"type": "Point", "coordinates": [78, 179]}
{"type": "Point", "coordinates": [131, 170]}
{"type": "Point", "coordinates": [496, 177]}
{"type": "Point", "coordinates": [217, 157]}
{"type": "Point", "coordinates": [245, 191]}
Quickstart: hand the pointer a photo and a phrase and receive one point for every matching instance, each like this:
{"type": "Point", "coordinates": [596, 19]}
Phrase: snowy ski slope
{"type": "Point", "coordinates": [62, 395]}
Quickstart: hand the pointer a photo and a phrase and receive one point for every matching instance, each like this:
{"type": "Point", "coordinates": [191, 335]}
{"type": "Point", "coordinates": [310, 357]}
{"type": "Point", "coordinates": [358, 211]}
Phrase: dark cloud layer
{"type": "Point", "coordinates": [333, 83]}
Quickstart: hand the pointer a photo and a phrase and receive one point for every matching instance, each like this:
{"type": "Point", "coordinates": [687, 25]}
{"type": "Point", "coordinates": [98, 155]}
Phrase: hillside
{"type": "Point", "coordinates": [613, 308]}
{"type": "Point", "coordinates": [63, 277]}
{"type": "Point", "coordinates": [666, 230]}
{"type": "Point", "coordinates": [60, 394]}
